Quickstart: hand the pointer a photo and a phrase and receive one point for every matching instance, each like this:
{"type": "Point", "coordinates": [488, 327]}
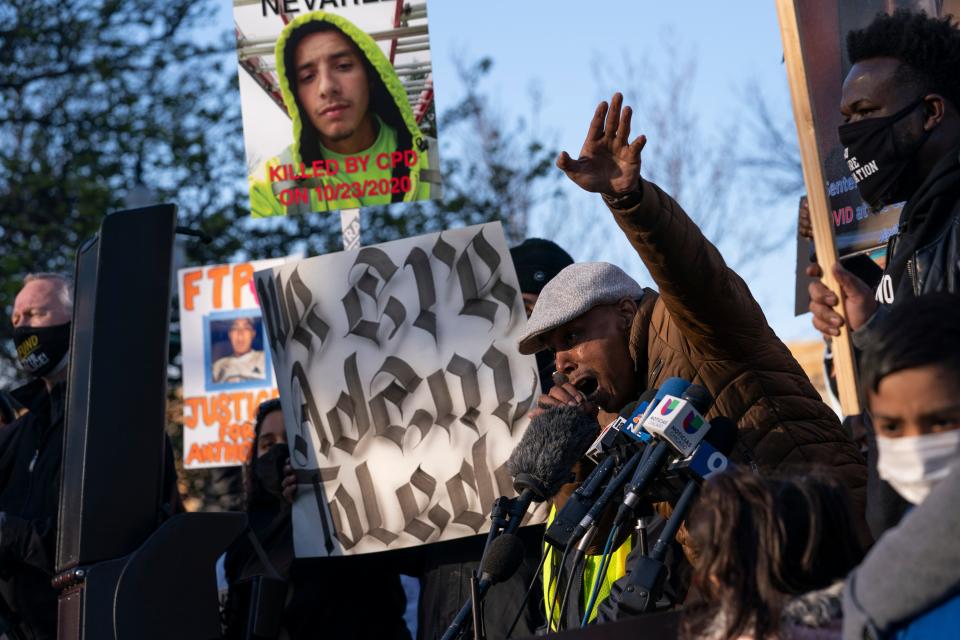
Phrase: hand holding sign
{"type": "Point", "coordinates": [858, 301]}
{"type": "Point", "coordinates": [608, 162]}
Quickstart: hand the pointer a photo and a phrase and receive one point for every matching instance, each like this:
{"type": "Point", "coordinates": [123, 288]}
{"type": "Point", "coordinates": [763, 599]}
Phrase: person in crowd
{"type": "Point", "coordinates": [909, 585]}
{"type": "Point", "coordinates": [900, 102]}
{"type": "Point", "coordinates": [537, 261]}
{"type": "Point", "coordinates": [31, 450]}
{"type": "Point", "coordinates": [356, 597]}
{"type": "Point", "coordinates": [351, 119]}
{"type": "Point", "coordinates": [245, 363]}
{"type": "Point", "coordinates": [30, 453]}
{"type": "Point", "coordinates": [770, 556]}
{"type": "Point", "coordinates": [613, 339]}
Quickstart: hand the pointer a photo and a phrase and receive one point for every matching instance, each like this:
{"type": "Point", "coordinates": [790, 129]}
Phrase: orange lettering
{"type": "Point", "coordinates": [217, 274]}
{"type": "Point", "coordinates": [195, 455]}
{"type": "Point", "coordinates": [242, 276]}
{"type": "Point", "coordinates": [190, 421]}
{"type": "Point", "coordinates": [190, 288]}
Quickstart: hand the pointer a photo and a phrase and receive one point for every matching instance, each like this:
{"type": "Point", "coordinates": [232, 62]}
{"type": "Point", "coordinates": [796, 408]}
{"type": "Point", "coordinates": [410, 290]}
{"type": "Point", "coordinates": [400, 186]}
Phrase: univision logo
{"type": "Point", "coordinates": [692, 423]}
{"type": "Point", "coordinates": [668, 408]}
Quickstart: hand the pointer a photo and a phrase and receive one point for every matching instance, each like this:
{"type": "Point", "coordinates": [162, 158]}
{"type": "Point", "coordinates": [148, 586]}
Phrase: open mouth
{"type": "Point", "coordinates": [587, 386]}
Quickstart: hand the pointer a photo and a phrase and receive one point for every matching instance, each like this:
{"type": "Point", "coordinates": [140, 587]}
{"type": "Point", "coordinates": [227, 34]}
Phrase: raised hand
{"type": "Point", "coordinates": [609, 163]}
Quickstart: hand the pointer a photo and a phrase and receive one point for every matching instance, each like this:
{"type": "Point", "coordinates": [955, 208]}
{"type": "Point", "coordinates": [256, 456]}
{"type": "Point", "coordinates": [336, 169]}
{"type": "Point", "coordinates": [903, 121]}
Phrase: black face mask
{"type": "Point", "coordinates": [873, 156]}
{"type": "Point", "coordinates": [268, 469]}
{"type": "Point", "coordinates": [41, 349]}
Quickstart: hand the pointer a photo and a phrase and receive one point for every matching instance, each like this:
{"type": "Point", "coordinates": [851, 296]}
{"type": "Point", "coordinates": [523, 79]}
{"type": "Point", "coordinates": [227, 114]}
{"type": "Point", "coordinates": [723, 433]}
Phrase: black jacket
{"type": "Point", "coordinates": [923, 257]}
{"type": "Point", "coordinates": [30, 453]}
{"type": "Point", "coordinates": [444, 571]}
{"type": "Point", "coordinates": [357, 597]}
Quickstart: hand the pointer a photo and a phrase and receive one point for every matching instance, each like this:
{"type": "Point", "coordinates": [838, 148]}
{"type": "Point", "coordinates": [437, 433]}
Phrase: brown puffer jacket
{"type": "Point", "coordinates": [705, 327]}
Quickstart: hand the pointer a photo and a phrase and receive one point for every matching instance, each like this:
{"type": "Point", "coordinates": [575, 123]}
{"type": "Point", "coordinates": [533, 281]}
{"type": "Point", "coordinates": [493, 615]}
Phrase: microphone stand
{"type": "Point", "coordinates": [478, 630]}
{"type": "Point", "coordinates": [649, 572]}
{"type": "Point", "coordinates": [499, 515]}
{"type": "Point", "coordinates": [507, 513]}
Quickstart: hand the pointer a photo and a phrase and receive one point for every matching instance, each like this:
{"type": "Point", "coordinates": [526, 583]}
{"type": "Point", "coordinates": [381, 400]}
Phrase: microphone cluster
{"type": "Point", "coordinates": [659, 448]}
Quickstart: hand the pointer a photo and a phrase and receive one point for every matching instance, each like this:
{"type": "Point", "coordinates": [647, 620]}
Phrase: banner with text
{"type": "Point", "coordinates": [227, 371]}
{"type": "Point", "coordinates": [402, 388]}
{"type": "Point", "coordinates": [337, 100]}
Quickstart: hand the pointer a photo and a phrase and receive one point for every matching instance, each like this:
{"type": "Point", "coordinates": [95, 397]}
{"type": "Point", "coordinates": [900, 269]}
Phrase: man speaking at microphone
{"type": "Point", "coordinates": [613, 339]}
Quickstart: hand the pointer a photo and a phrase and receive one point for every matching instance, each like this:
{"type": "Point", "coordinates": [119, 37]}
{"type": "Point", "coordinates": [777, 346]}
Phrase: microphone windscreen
{"type": "Point", "coordinates": [699, 397]}
{"type": "Point", "coordinates": [503, 557]}
{"type": "Point", "coordinates": [551, 445]}
{"type": "Point", "coordinates": [722, 434]}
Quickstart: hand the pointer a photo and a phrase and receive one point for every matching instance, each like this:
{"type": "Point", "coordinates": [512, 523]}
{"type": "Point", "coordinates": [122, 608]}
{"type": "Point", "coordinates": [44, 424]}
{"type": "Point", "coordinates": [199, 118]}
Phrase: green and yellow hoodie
{"type": "Point", "coordinates": [291, 173]}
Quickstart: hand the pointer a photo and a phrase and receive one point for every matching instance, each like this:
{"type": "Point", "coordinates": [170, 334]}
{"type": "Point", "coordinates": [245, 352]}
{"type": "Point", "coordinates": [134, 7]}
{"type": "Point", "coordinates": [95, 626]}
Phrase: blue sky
{"type": "Point", "coordinates": [557, 45]}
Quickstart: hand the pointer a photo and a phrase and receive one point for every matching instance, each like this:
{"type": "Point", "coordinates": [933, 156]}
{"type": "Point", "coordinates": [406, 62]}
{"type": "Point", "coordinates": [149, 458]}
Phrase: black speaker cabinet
{"type": "Point", "coordinates": [116, 392]}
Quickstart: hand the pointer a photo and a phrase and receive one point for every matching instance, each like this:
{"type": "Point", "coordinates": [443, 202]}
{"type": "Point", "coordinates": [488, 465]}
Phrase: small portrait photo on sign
{"type": "Point", "coordinates": [236, 356]}
{"type": "Point", "coordinates": [338, 105]}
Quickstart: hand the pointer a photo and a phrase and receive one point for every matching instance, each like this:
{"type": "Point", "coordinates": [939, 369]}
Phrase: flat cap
{"type": "Point", "coordinates": [572, 292]}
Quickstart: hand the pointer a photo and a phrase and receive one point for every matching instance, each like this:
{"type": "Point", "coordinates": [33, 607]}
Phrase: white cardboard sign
{"type": "Point", "coordinates": [402, 388]}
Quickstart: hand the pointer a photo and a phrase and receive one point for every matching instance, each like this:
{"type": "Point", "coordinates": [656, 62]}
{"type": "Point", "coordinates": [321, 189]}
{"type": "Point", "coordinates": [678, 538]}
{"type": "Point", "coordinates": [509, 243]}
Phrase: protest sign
{"type": "Point", "coordinates": [815, 55]}
{"type": "Point", "coordinates": [402, 388]}
{"type": "Point", "coordinates": [337, 104]}
{"type": "Point", "coordinates": [227, 371]}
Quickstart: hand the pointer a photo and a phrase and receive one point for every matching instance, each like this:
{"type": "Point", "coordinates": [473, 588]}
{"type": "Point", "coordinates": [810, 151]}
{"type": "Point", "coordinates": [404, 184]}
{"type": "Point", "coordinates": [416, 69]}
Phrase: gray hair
{"type": "Point", "coordinates": [65, 282]}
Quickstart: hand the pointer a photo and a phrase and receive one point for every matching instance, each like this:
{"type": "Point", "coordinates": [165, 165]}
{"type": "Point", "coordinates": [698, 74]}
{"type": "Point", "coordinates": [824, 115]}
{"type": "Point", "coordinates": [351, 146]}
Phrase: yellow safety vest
{"type": "Point", "coordinates": [616, 570]}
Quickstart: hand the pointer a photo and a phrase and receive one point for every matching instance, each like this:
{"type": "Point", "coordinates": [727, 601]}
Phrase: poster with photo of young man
{"type": "Point", "coordinates": [337, 105]}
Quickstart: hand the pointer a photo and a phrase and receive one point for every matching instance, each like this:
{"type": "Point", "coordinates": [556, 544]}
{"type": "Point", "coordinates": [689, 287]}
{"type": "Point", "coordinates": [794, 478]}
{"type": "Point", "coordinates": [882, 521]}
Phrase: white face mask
{"type": "Point", "coordinates": [914, 465]}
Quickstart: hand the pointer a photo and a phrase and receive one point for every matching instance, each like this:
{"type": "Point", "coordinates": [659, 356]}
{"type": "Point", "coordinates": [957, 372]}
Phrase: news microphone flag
{"type": "Point", "coordinates": [678, 422]}
{"type": "Point", "coordinates": [670, 387]}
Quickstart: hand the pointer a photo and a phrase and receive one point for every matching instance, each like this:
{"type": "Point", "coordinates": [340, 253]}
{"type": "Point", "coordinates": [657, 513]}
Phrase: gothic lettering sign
{"type": "Point", "coordinates": [402, 388]}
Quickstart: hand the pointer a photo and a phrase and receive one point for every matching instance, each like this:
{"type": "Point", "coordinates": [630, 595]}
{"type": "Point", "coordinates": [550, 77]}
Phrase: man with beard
{"type": "Point", "coordinates": [613, 339]}
{"type": "Point", "coordinates": [900, 102]}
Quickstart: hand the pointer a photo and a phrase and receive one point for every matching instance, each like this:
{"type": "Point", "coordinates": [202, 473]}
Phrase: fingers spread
{"type": "Point", "coordinates": [595, 132]}
{"type": "Point", "coordinates": [613, 117]}
{"type": "Point", "coordinates": [637, 146]}
{"type": "Point", "coordinates": [623, 130]}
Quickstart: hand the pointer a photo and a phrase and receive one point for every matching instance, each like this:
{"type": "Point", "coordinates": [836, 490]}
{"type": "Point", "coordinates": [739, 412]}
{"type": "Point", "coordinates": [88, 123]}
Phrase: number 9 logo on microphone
{"type": "Point", "coordinates": [716, 463]}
